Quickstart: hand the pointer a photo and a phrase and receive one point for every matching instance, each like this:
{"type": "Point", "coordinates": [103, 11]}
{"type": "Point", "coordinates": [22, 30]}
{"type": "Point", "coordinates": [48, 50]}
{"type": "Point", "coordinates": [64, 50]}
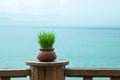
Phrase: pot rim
{"type": "Point", "coordinates": [46, 49]}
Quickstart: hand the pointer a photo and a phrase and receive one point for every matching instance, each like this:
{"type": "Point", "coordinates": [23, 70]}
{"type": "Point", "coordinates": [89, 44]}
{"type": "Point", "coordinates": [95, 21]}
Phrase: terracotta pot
{"type": "Point", "coordinates": [46, 55]}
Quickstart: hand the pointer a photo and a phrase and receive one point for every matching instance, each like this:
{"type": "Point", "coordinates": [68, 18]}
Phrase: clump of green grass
{"type": "Point", "coordinates": [46, 39]}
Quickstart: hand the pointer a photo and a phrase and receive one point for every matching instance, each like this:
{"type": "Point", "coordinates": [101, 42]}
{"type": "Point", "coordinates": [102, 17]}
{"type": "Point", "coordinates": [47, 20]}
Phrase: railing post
{"type": "Point", "coordinates": [5, 78]}
{"type": "Point", "coordinates": [87, 78]}
{"type": "Point", "coordinates": [115, 78]}
{"type": "Point", "coordinates": [47, 70]}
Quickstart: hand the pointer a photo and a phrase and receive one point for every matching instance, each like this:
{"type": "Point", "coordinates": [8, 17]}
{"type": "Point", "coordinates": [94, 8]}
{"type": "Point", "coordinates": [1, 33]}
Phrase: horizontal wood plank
{"type": "Point", "coordinates": [14, 72]}
{"type": "Point", "coordinates": [71, 72]}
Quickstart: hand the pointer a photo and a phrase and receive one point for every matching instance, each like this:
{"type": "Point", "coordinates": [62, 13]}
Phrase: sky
{"type": "Point", "coordinates": [62, 12]}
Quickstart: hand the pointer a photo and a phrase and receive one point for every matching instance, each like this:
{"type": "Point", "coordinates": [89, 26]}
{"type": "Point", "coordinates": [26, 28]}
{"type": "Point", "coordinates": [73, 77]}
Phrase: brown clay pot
{"type": "Point", "coordinates": [46, 55]}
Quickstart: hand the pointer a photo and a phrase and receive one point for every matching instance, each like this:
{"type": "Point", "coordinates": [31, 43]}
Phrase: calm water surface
{"type": "Point", "coordinates": [83, 47]}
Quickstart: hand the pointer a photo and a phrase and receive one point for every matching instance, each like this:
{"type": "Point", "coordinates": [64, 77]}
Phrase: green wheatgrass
{"type": "Point", "coordinates": [46, 39]}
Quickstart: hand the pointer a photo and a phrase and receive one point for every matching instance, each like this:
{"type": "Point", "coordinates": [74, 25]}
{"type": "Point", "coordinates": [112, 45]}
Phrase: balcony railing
{"type": "Point", "coordinates": [57, 71]}
{"type": "Point", "coordinates": [89, 74]}
{"type": "Point", "coordinates": [7, 74]}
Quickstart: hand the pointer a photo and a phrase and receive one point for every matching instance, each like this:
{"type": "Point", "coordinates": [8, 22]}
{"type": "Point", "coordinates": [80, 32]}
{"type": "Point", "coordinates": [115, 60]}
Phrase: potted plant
{"type": "Point", "coordinates": [46, 41]}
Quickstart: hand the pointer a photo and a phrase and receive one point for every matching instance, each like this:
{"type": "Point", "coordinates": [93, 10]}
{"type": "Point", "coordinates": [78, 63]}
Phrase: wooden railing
{"type": "Point", "coordinates": [7, 74]}
{"type": "Point", "coordinates": [57, 71]}
{"type": "Point", "coordinates": [88, 74]}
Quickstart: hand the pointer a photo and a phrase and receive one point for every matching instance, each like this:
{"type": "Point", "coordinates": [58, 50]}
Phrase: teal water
{"type": "Point", "coordinates": [83, 47]}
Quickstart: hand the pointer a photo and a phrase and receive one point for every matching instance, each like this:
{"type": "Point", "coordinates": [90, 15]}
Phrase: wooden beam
{"type": "Point", "coordinates": [14, 72]}
{"type": "Point", "coordinates": [72, 72]}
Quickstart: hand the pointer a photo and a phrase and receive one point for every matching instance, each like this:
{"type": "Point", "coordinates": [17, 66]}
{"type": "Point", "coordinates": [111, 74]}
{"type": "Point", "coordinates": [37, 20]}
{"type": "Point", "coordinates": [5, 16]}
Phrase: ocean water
{"type": "Point", "coordinates": [83, 47]}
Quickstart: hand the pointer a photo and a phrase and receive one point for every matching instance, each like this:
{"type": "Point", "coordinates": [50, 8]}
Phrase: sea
{"type": "Point", "coordinates": [83, 47]}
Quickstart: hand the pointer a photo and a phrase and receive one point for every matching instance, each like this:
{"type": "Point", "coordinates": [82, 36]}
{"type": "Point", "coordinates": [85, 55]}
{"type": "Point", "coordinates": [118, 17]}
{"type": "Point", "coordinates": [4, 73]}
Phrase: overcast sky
{"type": "Point", "coordinates": [79, 12]}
